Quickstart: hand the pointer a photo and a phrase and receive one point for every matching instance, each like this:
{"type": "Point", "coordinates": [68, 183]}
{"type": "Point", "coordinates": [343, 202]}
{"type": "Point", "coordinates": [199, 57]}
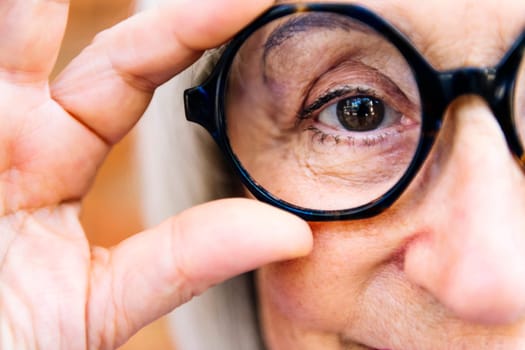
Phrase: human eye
{"type": "Point", "coordinates": [359, 116]}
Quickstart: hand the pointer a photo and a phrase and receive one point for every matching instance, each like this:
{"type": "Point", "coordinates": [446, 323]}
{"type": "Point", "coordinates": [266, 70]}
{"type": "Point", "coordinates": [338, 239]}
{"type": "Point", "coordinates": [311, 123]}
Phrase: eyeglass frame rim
{"type": "Point", "coordinates": [204, 104]}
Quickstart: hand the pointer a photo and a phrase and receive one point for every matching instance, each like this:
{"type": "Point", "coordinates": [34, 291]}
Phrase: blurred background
{"type": "Point", "coordinates": [111, 211]}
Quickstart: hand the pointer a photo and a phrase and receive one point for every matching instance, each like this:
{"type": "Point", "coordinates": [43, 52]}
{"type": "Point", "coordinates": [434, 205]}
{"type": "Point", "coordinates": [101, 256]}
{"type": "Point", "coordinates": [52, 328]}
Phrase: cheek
{"type": "Point", "coordinates": [322, 291]}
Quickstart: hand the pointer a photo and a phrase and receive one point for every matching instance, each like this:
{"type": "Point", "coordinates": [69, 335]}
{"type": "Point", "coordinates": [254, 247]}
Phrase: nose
{"type": "Point", "coordinates": [468, 246]}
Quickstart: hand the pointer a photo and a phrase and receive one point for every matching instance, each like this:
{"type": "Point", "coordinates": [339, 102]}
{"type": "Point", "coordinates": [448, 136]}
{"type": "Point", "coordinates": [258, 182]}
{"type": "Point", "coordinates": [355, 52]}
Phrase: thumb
{"type": "Point", "coordinates": [151, 273]}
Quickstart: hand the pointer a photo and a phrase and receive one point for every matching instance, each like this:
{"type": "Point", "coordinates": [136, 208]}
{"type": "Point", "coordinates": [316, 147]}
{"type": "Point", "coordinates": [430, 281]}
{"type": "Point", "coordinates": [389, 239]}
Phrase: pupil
{"type": "Point", "coordinates": [360, 113]}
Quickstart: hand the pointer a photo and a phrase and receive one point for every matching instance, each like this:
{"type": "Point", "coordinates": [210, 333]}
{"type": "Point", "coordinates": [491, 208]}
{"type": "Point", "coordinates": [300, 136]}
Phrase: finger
{"type": "Point", "coordinates": [151, 273]}
{"type": "Point", "coordinates": [31, 33]}
{"type": "Point", "coordinates": [117, 74]}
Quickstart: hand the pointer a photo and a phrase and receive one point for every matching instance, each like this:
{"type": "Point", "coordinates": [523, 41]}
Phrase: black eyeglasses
{"type": "Point", "coordinates": [328, 111]}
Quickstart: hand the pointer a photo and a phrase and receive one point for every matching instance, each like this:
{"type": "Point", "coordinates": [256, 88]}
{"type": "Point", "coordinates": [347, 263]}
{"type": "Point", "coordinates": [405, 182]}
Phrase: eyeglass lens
{"type": "Point", "coordinates": [324, 113]}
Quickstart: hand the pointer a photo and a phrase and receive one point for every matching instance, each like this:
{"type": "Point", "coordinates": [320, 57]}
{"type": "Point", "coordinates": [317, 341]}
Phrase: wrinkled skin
{"type": "Point", "coordinates": [56, 291]}
{"type": "Point", "coordinates": [444, 268]}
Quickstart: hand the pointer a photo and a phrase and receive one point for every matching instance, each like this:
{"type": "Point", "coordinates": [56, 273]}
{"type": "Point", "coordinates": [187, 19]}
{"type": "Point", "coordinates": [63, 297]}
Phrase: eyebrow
{"type": "Point", "coordinates": [306, 22]}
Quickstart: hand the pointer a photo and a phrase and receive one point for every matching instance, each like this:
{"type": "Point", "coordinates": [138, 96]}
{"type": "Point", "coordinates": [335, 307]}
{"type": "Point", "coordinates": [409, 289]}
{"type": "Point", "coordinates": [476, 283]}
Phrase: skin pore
{"type": "Point", "coordinates": [444, 267]}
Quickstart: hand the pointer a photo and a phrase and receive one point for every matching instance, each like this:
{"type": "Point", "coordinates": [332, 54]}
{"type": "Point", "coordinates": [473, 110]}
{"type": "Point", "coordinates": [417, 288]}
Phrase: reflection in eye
{"type": "Point", "coordinates": [360, 113]}
{"type": "Point", "coordinates": [357, 115]}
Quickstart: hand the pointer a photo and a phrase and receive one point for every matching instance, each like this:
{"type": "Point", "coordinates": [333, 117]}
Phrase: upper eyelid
{"type": "Point", "coordinates": [329, 96]}
{"type": "Point", "coordinates": [390, 89]}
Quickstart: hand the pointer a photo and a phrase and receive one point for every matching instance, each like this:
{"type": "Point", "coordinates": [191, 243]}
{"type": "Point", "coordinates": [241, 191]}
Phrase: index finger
{"type": "Point", "coordinates": [109, 85]}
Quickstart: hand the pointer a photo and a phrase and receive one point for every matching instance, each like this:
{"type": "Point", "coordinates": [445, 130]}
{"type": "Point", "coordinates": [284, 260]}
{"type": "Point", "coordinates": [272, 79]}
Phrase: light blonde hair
{"type": "Point", "coordinates": [180, 167]}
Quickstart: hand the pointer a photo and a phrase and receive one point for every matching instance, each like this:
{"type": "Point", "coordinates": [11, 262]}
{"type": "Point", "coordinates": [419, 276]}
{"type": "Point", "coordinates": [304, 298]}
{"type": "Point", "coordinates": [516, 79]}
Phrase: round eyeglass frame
{"type": "Point", "coordinates": [205, 104]}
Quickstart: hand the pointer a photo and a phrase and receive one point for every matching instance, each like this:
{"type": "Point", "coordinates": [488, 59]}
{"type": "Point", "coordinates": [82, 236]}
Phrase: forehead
{"type": "Point", "coordinates": [453, 33]}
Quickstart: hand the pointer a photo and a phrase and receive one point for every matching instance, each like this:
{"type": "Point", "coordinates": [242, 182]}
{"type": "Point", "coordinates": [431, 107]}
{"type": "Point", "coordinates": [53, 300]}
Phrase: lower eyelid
{"type": "Point", "coordinates": [369, 140]}
{"type": "Point", "coordinates": [327, 135]}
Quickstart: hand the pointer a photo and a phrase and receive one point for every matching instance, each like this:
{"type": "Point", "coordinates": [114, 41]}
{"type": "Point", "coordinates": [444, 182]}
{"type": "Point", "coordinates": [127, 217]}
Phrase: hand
{"type": "Point", "coordinates": [57, 292]}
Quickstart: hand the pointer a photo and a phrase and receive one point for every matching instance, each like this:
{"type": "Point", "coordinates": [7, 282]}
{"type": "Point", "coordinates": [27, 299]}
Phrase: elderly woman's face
{"type": "Point", "coordinates": [444, 267]}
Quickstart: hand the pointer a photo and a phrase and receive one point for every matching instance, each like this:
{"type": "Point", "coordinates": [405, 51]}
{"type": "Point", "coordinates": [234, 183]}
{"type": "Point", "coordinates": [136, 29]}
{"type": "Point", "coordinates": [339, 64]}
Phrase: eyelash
{"type": "Point", "coordinates": [328, 99]}
{"type": "Point", "coordinates": [329, 96]}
